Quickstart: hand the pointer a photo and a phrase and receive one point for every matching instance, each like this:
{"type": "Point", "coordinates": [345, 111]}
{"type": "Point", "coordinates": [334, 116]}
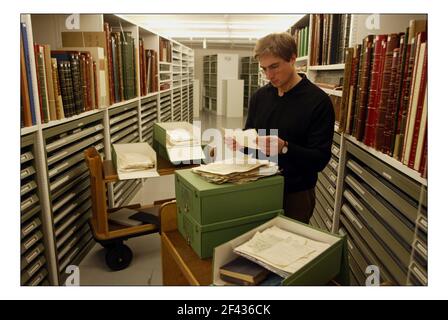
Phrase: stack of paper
{"type": "Point", "coordinates": [236, 171]}
{"type": "Point", "coordinates": [281, 251]}
{"type": "Point", "coordinates": [133, 161]}
{"type": "Point", "coordinates": [181, 145]}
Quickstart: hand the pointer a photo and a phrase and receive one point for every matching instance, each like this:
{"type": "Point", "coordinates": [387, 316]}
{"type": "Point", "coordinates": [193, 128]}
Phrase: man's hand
{"type": "Point", "coordinates": [232, 144]}
{"type": "Point", "coordinates": [270, 145]}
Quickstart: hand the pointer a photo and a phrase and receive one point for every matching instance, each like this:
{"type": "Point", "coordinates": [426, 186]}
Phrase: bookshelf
{"type": "Point", "coordinates": [217, 67]}
{"type": "Point", "coordinates": [249, 73]}
{"type": "Point", "coordinates": [59, 193]}
{"type": "Point", "coordinates": [368, 195]}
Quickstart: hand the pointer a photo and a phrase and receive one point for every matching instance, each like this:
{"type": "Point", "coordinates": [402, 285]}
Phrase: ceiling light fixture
{"type": "Point", "coordinates": [204, 44]}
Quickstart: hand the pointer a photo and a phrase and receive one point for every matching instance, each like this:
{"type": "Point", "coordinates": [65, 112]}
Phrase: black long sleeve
{"type": "Point", "coordinates": [304, 117]}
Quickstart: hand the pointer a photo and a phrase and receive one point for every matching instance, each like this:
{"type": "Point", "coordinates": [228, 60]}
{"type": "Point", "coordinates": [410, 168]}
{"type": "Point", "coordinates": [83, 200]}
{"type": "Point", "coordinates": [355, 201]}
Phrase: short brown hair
{"type": "Point", "coordinates": [278, 44]}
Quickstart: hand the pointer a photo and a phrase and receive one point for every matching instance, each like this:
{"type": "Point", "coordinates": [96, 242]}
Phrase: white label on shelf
{"type": "Point", "coordinates": [353, 201]}
{"type": "Point", "coordinates": [386, 175]}
{"type": "Point", "coordinates": [30, 242]}
{"type": "Point", "coordinates": [32, 255]}
{"type": "Point", "coordinates": [331, 190]}
{"type": "Point", "coordinates": [333, 177]}
{"type": "Point", "coordinates": [330, 212]}
{"type": "Point", "coordinates": [29, 228]}
{"type": "Point", "coordinates": [421, 248]}
{"type": "Point", "coordinates": [419, 274]}
{"type": "Point", "coordinates": [80, 124]}
{"type": "Point", "coordinates": [34, 268]}
{"type": "Point", "coordinates": [37, 280]}
{"type": "Point", "coordinates": [424, 222]}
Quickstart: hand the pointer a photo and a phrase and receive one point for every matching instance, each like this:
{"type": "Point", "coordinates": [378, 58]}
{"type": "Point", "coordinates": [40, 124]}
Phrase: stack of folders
{"type": "Point", "coordinates": [236, 170]}
{"type": "Point", "coordinates": [280, 251]}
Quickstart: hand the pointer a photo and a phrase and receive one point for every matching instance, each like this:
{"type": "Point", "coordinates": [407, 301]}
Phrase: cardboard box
{"type": "Point", "coordinates": [329, 265]}
{"type": "Point", "coordinates": [141, 148]}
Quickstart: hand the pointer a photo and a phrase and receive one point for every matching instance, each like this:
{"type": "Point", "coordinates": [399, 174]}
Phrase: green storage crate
{"type": "Point", "coordinates": [159, 140]}
{"type": "Point", "coordinates": [204, 238]}
{"type": "Point", "coordinates": [332, 264]}
{"type": "Point", "coordinates": [208, 203]}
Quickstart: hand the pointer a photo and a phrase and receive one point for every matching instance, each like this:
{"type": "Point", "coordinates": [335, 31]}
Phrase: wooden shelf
{"type": "Point", "coordinates": [390, 161]}
{"type": "Point", "coordinates": [150, 94]}
{"type": "Point", "coordinates": [339, 66]}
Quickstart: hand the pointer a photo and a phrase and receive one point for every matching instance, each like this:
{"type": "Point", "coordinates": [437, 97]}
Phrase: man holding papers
{"type": "Point", "coordinates": [304, 117]}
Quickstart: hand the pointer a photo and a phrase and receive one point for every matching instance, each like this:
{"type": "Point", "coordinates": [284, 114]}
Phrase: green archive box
{"type": "Point", "coordinates": [208, 203]}
{"type": "Point", "coordinates": [182, 154]}
{"type": "Point", "coordinates": [204, 238]}
{"type": "Point", "coordinates": [331, 264]}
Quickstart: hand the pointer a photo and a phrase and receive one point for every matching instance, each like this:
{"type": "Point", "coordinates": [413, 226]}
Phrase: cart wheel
{"type": "Point", "coordinates": [118, 257]}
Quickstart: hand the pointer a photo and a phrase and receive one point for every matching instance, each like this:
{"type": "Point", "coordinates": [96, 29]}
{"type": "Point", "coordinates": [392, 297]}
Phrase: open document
{"type": "Point", "coordinates": [246, 138]}
{"type": "Point", "coordinates": [281, 251]}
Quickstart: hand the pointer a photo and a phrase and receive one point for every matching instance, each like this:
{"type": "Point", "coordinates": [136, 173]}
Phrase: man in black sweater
{"type": "Point", "coordinates": [304, 117]}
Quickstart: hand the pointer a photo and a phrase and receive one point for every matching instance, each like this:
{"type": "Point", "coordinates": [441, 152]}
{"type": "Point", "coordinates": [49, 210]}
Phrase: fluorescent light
{"type": "Point", "coordinates": [204, 44]}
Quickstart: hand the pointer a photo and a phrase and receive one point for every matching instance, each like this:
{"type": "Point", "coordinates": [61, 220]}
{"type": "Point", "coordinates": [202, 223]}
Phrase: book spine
{"type": "Point", "coordinates": [25, 98]}
{"type": "Point", "coordinates": [391, 44]}
{"type": "Point", "coordinates": [363, 89]}
{"type": "Point", "coordinates": [64, 88]}
{"type": "Point", "coordinates": [346, 88]}
{"type": "Point", "coordinates": [96, 84]}
{"type": "Point", "coordinates": [26, 50]}
{"type": "Point", "coordinates": [416, 134]}
{"type": "Point", "coordinates": [413, 98]}
{"type": "Point", "coordinates": [40, 68]}
{"type": "Point", "coordinates": [57, 90]}
{"type": "Point", "coordinates": [107, 30]}
{"type": "Point", "coordinates": [49, 83]}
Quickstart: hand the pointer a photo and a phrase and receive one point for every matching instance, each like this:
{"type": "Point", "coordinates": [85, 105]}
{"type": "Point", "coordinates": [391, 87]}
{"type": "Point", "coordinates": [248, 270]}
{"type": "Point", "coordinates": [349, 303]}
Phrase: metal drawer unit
{"type": "Point", "coordinates": [148, 118]}
{"type": "Point", "coordinates": [33, 264]}
{"type": "Point", "coordinates": [165, 107]}
{"type": "Point", "coordinates": [185, 103]}
{"type": "Point", "coordinates": [177, 107]}
{"type": "Point", "coordinates": [123, 123]}
{"type": "Point", "coordinates": [326, 187]}
{"type": "Point", "coordinates": [190, 103]}
{"type": "Point", "coordinates": [125, 190]}
{"type": "Point", "coordinates": [69, 185]}
{"type": "Point", "coordinates": [387, 202]}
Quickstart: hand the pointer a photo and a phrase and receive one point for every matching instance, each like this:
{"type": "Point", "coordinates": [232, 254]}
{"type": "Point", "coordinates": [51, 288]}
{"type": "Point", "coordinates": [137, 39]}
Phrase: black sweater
{"type": "Point", "coordinates": [305, 118]}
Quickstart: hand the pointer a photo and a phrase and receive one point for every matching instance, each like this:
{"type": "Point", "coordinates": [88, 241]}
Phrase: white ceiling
{"type": "Point", "coordinates": [218, 30]}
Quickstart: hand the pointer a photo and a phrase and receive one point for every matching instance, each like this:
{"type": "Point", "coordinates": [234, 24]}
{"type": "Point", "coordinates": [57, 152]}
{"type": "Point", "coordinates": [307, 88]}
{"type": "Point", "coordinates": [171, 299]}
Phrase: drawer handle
{"type": "Point", "coordinates": [353, 219]}
{"type": "Point", "coordinates": [330, 212]}
{"type": "Point", "coordinates": [333, 177]}
{"type": "Point", "coordinates": [355, 167]}
{"type": "Point", "coordinates": [354, 202]}
{"type": "Point", "coordinates": [188, 240]}
{"type": "Point", "coordinates": [355, 185]}
{"type": "Point", "coordinates": [186, 209]}
{"type": "Point", "coordinates": [331, 190]}
{"type": "Point", "coordinates": [350, 245]}
{"type": "Point", "coordinates": [386, 175]}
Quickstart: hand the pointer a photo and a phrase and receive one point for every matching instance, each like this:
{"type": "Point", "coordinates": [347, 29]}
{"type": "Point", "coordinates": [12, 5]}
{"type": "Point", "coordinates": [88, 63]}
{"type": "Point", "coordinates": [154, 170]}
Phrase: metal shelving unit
{"type": "Point", "coordinates": [177, 104]}
{"type": "Point", "coordinates": [33, 262]}
{"type": "Point", "coordinates": [69, 185]}
{"type": "Point", "coordinates": [148, 118]}
{"type": "Point", "coordinates": [165, 107]}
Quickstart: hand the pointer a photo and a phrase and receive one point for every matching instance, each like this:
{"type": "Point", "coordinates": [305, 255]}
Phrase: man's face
{"type": "Point", "coordinates": [277, 70]}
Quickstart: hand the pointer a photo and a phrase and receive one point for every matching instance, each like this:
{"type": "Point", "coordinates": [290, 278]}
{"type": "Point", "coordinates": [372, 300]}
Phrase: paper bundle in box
{"type": "Point", "coordinates": [177, 142]}
{"type": "Point", "coordinates": [236, 170]}
{"type": "Point", "coordinates": [135, 160]}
